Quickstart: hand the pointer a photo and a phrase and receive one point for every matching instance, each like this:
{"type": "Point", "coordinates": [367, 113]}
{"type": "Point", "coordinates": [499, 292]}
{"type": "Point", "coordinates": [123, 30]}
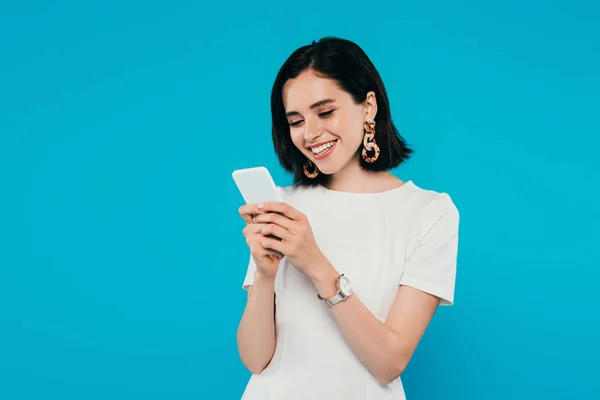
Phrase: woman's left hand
{"type": "Point", "coordinates": [293, 236]}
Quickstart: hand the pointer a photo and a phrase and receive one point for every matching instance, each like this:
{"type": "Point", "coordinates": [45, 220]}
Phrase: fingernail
{"type": "Point", "coordinates": [261, 206]}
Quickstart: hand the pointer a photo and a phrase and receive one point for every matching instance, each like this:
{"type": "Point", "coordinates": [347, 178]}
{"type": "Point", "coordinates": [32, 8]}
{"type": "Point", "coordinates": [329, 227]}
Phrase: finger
{"type": "Point", "coordinates": [266, 252]}
{"type": "Point", "coordinates": [275, 230]}
{"type": "Point", "coordinates": [252, 229]}
{"type": "Point", "coordinates": [258, 251]}
{"type": "Point", "coordinates": [248, 211]}
{"type": "Point", "coordinates": [274, 244]}
{"type": "Point", "coordinates": [274, 218]}
{"type": "Point", "coordinates": [282, 208]}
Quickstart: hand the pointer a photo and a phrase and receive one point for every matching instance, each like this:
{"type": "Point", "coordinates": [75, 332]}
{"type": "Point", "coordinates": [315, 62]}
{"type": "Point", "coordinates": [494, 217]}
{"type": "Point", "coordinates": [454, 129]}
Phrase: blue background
{"type": "Point", "coordinates": [121, 254]}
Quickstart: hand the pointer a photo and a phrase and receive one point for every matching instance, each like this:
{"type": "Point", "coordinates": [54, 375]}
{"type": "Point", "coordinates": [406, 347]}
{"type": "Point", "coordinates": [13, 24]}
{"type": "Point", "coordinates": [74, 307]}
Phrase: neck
{"type": "Point", "coordinates": [352, 178]}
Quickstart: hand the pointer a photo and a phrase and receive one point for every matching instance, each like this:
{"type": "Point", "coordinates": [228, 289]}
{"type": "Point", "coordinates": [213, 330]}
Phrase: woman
{"type": "Point", "coordinates": [346, 273]}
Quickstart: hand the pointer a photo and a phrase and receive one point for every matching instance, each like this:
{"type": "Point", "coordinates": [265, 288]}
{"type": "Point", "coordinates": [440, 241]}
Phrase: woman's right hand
{"type": "Point", "coordinates": [267, 261]}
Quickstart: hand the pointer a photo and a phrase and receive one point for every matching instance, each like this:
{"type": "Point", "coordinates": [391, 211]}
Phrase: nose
{"type": "Point", "coordinates": [312, 130]}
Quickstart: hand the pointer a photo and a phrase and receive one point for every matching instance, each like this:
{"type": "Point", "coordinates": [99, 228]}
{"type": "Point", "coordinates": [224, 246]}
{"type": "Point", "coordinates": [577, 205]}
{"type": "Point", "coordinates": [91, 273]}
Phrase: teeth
{"type": "Point", "coordinates": [322, 148]}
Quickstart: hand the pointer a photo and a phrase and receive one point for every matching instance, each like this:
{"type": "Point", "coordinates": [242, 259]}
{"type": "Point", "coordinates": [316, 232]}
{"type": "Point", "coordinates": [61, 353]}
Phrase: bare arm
{"type": "Point", "coordinates": [256, 331]}
{"type": "Point", "coordinates": [384, 348]}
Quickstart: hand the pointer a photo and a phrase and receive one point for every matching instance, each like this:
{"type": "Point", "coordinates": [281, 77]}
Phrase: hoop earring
{"type": "Point", "coordinates": [369, 142]}
{"type": "Point", "coordinates": [307, 165]}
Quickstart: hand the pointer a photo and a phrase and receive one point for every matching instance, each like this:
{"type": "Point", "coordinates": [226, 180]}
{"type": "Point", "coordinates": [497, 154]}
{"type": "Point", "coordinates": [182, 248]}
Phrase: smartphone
{"type": "Point", "coordinates": [256, 185]}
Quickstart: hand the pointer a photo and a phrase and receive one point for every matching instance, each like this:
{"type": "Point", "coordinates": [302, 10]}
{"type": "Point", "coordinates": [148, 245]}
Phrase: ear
{"type": "Point", "coordinates": [370, 104]}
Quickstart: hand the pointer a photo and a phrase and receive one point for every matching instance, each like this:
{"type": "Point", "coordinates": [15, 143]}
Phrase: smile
{"type": "Point", "coordinates": [323, 150]}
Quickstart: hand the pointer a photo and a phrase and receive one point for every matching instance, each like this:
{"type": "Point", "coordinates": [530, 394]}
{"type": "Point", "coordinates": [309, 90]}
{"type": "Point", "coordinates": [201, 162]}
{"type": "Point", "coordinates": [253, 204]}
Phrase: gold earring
{"type": "Point", "coordinates": [309, 174]}
{"type": "Point", "coordinates": [369, 142]}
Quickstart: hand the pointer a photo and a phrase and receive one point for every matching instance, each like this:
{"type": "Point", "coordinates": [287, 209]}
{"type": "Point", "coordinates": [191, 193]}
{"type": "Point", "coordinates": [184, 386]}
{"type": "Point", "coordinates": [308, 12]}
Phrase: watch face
{"type": "Point", "coordinates": [345, 286]}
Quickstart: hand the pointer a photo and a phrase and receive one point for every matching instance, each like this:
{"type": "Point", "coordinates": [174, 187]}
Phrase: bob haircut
{"type": "Point", "coordinates": [346, 63]}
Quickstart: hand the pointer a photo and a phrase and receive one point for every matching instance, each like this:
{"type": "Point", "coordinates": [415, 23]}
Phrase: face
{"type": "Point", "coordinates": [326, 125]}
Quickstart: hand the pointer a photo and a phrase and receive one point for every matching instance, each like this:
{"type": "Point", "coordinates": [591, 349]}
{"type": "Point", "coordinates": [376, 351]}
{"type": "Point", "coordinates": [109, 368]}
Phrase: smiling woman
{"type": "Point", "coordinates": [347, 271]}
{"type": "Point", "coordinates": [331, 93]}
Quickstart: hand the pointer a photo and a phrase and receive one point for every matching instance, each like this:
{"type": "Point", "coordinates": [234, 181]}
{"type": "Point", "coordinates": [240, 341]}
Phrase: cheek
{"type": "Point", "coordinates": [297, 138]}
{"type": "Point", "coordinates": [349, 130]}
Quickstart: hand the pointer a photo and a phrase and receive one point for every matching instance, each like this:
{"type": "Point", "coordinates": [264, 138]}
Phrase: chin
{"type": "Point", "coordinates": [328, 171]}
{"type": "Point", "coordinates": [333, 162]}
{"type": "Point", "coordinates": [330, 167]}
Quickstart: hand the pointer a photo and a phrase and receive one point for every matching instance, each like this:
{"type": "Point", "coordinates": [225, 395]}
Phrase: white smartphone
{"type": "Point", "coordinates": [256, 185]}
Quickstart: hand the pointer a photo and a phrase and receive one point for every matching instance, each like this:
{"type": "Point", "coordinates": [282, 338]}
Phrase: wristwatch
{"type": "Point", "coordinates": [344, 288]}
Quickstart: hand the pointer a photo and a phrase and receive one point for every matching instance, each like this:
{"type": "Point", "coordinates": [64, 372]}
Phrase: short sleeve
{"type": "Point", "coordinates": [249, 279]}
{"type": "Point", "coordinates": [432, 250]}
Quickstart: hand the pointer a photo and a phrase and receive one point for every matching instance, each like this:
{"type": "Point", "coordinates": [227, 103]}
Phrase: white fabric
{"type": "Point", "coordinates": [404, 236]}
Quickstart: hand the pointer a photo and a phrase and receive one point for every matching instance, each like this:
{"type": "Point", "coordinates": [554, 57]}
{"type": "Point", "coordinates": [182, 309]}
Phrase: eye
{"type": "Point", "coordinates": [295, 123]}
{"type": "Point", "coordinates": [326, 114]}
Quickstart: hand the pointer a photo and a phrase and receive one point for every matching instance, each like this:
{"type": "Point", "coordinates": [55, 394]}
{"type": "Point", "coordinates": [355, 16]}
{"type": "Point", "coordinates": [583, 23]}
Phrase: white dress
{"type": "Point", "coordinates": [404, 236]}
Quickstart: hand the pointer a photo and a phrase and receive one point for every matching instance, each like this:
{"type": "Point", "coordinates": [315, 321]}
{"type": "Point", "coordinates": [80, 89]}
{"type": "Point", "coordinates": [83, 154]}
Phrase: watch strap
{"type": "Point", "coordinates": [332, 301]}
{"type": "Point", "coordinates": [335, 299]}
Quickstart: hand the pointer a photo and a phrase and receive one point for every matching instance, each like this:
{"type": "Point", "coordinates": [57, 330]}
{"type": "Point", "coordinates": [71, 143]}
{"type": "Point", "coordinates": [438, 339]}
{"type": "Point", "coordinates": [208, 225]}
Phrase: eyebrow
{"type": "Point", "coordinates": [313, 106]}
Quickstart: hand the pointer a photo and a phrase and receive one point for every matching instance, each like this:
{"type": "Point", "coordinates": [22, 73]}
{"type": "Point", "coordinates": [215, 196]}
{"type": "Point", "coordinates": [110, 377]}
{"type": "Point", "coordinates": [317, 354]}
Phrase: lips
{"type": "Point", "coordinates": [323, 149]}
